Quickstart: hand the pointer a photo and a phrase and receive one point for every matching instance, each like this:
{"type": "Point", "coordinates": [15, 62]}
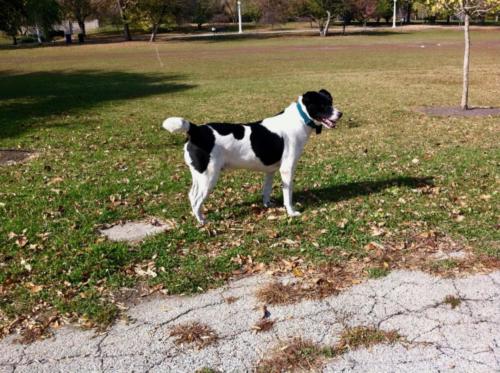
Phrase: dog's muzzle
{"type": "Point", "coordinates": [331, 122]}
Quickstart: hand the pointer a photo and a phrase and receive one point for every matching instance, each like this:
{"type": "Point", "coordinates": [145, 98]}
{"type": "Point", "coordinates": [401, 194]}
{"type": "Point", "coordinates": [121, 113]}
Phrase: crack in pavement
{"type": "Point", "coordinates": [437, 336]}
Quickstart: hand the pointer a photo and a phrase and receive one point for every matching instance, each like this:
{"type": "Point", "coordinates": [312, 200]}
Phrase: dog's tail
{"type": "Point", "coordinates": [176, 124]}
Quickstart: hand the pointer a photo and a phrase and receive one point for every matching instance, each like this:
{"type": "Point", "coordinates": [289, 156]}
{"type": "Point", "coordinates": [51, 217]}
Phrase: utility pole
{"type": "Point", "coordinates": [394, 15]}
{"type": "Point", "coordinates": [239, 18]}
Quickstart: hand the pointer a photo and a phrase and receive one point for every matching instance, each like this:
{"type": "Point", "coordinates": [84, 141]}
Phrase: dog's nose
{"type": "Point", "coordinates": [340, 114]}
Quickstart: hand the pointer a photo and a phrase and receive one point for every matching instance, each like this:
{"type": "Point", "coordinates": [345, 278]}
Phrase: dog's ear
{"type": "Point", "coordinates": [326, 93]}
{"type": "Point", "coordinates": [308, 97]}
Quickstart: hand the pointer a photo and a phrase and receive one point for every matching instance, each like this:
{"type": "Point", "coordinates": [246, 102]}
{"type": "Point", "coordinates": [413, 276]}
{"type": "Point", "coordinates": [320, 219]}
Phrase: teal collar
{"type": "Point", "coordinates": [307, 120]}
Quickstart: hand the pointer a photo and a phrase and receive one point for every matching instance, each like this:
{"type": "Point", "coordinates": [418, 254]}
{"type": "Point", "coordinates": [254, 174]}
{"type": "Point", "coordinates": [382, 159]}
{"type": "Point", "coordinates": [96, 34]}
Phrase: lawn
{"type": "Point", "coordinates": [94, 112]}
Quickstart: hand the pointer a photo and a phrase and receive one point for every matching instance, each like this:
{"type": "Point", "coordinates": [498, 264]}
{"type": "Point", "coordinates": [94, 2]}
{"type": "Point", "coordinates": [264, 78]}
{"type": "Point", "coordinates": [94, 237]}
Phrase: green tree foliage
{"type": "Point", "coordinates": [201, 11]}
{"type": "Point", "coordinates": [384, 9]}
{"type": "Point", "coordinates": [42, 14]}
{"type": "Point", "coordinates": [154, 12]}
{"type": "Point", "coordinates": [321, 11]}
{"type": "Point", "coordinates": [79, 10]}
{"type": "Point", "coordinates": [11, 16]}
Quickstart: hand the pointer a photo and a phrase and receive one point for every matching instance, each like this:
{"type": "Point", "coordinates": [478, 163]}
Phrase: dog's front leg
{"type": "Point", "coordinates": [287, 170]}
{"type": "Point", "coordinates": [267, 189]}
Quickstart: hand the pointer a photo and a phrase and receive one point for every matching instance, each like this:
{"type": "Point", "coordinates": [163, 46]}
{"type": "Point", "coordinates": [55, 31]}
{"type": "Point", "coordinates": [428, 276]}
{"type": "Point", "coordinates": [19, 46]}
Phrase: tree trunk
{"type": "Point", "coordinates": [126, 32]}
{"type": "Point", "coordinates": [343, 27]}
{"type": "Point", "coordinates": [408, 15]}
{"type": "Point", "coordinates": [156, 25]}
{"type": "Point", "coordinates": [448, 19]}
{"type": "Point", "coordinates": [81, 24]}
{"type": "Point", "coordinates": [327, 24]}
{"type": "Point", "coordinates": [14, 40]}
{"type": "Point", "coordinates": [465, 91]}
{"type": "Point", "coordinates": [154, 32]}
{"type": "Point", "coordinates": [126, 29]}
{"type": "Point", "coordinates": [38, 35]}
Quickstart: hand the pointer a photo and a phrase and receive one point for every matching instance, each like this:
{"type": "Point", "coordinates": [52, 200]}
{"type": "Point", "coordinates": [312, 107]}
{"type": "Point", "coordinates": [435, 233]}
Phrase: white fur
{"type": "Point", "coordinates": [231, 153]}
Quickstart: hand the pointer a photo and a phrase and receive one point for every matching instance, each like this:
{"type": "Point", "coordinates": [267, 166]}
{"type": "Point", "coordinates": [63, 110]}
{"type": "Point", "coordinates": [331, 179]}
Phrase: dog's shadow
{"type": "Point", "coordinates": [341, 192]}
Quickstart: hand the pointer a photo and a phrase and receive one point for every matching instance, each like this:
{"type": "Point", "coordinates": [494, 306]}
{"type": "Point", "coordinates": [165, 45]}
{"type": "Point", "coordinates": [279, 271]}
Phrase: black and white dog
{"type": "Point", "coordinates": [272, 144]}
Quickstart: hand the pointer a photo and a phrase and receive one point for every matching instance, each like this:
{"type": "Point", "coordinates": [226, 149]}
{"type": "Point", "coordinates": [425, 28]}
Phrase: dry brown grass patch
{"type": "Point", "coordinates": [428, 251]}
{"type": "Point", "coordinates": [278, 293]}
{"type": "Point", "coordinates": [195, 333]}
{"type": "Point", "coordinates": [231, 300]}
{"type": "Point", "coordinates": [296, 355]}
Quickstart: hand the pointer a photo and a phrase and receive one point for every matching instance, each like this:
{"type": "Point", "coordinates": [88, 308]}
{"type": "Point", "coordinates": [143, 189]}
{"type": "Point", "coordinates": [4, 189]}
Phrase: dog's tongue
{"type": "Point", "coordinates": [328, 123]}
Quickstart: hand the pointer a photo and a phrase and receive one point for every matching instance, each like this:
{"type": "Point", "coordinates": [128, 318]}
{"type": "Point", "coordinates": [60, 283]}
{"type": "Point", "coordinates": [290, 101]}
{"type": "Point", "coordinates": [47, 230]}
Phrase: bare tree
{"type": "Point", "coordinates": [466, 9]}
{"type": "Point", "coordinates": [273, 11]}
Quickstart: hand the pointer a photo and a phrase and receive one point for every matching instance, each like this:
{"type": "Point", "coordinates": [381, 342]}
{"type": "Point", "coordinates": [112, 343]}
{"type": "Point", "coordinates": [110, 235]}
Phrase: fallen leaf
{"type": "Point", "coordinates": [373, 246]}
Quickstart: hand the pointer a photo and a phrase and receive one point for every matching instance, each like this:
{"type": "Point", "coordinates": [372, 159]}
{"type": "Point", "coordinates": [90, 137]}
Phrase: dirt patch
{"type": "Point", "coordinates": [455, 111]}
{"type": "Point", "coordinates": [13, 156]}
{"type": "Point", "coordinates": [136, 231]}
{"type": "Point", "coordinates": [194, 333]}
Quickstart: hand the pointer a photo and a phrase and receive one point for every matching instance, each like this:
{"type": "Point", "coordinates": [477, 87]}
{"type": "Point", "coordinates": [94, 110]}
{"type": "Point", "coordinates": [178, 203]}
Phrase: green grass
{"type": "Point", "coordinates": [94, 114]}
{"type": "Point", "coordinates": [377, 272]}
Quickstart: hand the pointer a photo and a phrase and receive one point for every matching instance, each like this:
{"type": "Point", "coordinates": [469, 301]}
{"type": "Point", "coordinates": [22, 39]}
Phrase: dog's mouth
{"type": "Point", "coordinates": [328, 122]}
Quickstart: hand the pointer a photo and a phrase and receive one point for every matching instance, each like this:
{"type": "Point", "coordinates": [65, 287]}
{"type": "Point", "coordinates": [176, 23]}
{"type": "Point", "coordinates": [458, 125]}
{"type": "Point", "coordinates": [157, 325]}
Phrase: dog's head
{"type": "Point", "coordinates": [320, 108]}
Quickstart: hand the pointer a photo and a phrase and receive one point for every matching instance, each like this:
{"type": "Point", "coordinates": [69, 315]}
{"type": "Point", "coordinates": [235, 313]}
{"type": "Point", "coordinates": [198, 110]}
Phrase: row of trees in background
{"type": "Point", "coordinates": [18, 16]}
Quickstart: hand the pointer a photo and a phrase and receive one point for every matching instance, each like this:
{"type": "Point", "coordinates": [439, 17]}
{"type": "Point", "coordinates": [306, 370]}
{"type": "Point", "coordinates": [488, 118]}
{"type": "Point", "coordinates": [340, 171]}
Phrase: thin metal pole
{"type": "Point", "coordinates": [240, 24]}
{"type": "Point", "coordinates": [394, 15]}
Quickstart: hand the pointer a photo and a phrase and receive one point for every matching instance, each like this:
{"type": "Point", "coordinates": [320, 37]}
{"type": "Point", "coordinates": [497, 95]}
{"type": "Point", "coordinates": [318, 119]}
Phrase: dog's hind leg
{"type": "Point", "coordinates": [267, 189]}
{"type": "Point", "coordinates": [203, 184]}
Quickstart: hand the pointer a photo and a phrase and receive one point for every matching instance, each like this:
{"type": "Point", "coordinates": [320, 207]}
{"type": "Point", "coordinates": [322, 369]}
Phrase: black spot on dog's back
{"type": "Point", "coordinates": [267, 145]}
{"type": "Point", "coordinates": [224, 129]}
{"type": "Point", "coordinates": [200, 144]}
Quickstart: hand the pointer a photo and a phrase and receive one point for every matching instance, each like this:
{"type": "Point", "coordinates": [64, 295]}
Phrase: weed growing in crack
{"type": "Point", "coordinates": [362, 336]}
{"type": "Point", "coordinates": [206, 370]}
{"type": "Point", "coordinates": [296, 355]}
{"type": "Point", "coordinates": [302, 355]}
{"type": "Point", "coordinates": [452, 300]}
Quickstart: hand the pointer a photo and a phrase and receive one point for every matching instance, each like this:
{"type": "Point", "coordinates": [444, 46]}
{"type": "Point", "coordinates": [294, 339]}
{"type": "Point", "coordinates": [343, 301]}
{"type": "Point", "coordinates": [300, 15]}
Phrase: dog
{"type": "Point", "coordinates": [272, 144]}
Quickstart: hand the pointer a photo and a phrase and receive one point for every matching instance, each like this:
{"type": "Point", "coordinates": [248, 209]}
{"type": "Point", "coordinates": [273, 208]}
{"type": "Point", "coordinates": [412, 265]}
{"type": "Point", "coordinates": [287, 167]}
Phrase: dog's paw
{"type": "Point", "coordinates": [293, 213]}
{"type": "Point", "coordinates": [268, 204]}
{"type": "Point", "coordinates": [201, 220]}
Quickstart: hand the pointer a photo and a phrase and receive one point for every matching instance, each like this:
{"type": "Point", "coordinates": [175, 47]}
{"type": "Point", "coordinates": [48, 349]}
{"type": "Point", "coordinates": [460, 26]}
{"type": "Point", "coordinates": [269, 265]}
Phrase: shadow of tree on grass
{"type": "Point", "coordinates": [26, 99]}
